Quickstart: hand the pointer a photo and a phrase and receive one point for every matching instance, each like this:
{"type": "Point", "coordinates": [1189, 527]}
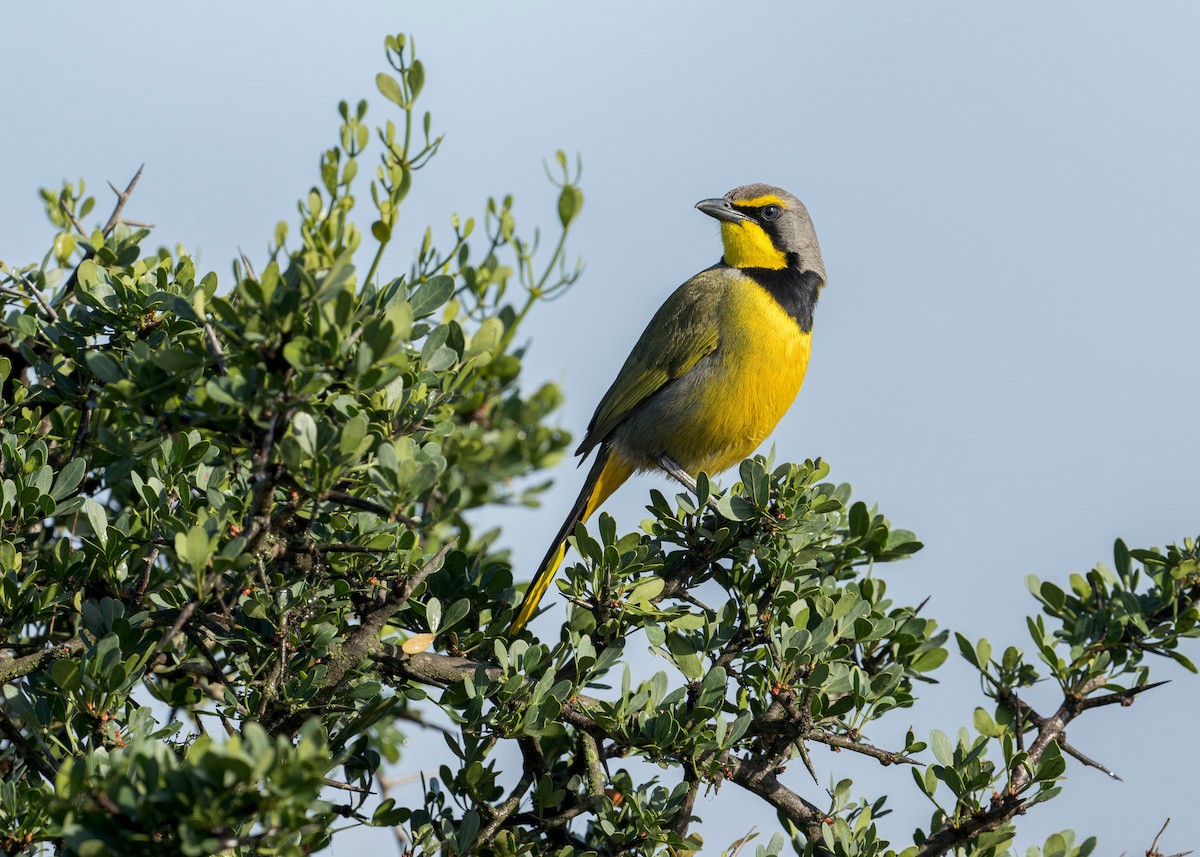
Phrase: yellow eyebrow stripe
{"type": "Point", "coordinates": [759, 201]}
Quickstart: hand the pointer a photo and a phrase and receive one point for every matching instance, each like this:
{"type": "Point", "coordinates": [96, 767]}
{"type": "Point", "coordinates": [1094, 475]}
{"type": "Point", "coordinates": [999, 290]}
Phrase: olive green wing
{"type": "Point", "coordinates": [681, 333]}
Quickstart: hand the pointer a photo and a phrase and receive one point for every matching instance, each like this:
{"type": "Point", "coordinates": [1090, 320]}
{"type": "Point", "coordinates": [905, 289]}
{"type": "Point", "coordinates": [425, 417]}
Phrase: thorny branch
{"type": "Point", "coordinates": [106, 230]}
{"type": "Point", "coordinates": [1009, 803]}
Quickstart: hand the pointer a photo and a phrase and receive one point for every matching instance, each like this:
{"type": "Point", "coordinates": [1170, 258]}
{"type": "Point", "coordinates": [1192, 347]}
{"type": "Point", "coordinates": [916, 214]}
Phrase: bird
{"type": "Point", "coordinates": [715, 369]}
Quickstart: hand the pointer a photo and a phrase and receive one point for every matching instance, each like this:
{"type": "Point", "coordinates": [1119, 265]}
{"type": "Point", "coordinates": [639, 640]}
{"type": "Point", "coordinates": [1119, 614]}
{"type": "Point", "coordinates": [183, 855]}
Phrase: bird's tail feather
{"type": "Point", "coordinates": [607, 474]}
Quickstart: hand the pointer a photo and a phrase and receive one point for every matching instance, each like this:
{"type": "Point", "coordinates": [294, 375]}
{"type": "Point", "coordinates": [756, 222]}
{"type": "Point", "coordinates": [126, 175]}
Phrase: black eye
{"type": "Point", "coordinates": [770, 212]}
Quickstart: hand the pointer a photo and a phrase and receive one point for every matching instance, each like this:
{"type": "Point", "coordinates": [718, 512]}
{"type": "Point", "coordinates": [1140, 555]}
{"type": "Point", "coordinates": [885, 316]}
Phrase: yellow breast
{"type": "Point", "coordinates": [763, 358]}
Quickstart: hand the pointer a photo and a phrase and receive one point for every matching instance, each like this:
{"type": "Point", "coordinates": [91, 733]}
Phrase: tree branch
{"type": "Point", "coordinates": [14, 668]}
{"type": "Point", "coordinates": [361, 644]}
{"type": "Point", "coordinates": [755, 776]}
{"type": "Point", "coordinates": [35, 294]}
{"type": "Point", "coordinates": [122, 198]}
{"type": "Point", "coordinates": [1008, 804]}
{"type": "Point", "coordinates": [28, 753]}
{"type": "Point", "coordinates": [760, 779]}
{"type": "Point", "coordinates": [344, 499]}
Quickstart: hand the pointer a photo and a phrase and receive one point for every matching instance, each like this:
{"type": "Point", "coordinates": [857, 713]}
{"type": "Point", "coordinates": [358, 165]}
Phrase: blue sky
{"type": "Point", "coordinates": [1008, 200]}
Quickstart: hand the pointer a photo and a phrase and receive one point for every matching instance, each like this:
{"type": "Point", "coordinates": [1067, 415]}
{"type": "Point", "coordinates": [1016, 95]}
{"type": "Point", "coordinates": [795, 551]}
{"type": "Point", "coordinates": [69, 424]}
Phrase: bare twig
{"type": "Point", "coordinates": [71, 216]}
{"type": "Point", "coordinates": [28, 753]}
{"type": "Point", "coordinates": [885, 757]}
{"type": "Point", "coordinates": [344, 499]}
{"type": "Point", "coordinates": [51, 313]}
{"type": "Point", "coordinates": [346, 787]}
{"type": "Point", "coordinates": [1050, 729]}
{"type": "Point", "coordinates": [683, 816]}
{"type": "Point", "coordinates": [529, 774]}
{"type": "Point", "coordinates": [1120, 697]}
{"type": "Point", "coordinates": [113, 220]}
{"type": "Point", "coordinates": [1153, 851]}
{"type": "Point", "coordinates": [122, 198]}
{"type": "Point", "coordinates": [249, 267]}
{"type": "Point", "coordinates": [180, 621]}
{"type": "Point", "coordinates": [214, 345]}
{"type": "Point", "coordinates": [81, 434]}
{"type": "Point", "coordinates": [144, 578]}
{"type": "Point", "coordinates": [413, 717]}
{"type": "Point", "coordinates": [761, 780]}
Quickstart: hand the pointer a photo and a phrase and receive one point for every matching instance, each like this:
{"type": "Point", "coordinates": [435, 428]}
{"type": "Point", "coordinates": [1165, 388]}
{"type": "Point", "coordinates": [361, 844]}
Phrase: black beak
{"type": "Point", "coordinates": [721, 209]}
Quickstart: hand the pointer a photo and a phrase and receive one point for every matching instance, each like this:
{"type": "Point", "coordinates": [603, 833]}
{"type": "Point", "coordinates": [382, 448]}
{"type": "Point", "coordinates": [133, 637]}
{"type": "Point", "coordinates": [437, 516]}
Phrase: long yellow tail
{"type": "Point", "coordinates": [606, 476]}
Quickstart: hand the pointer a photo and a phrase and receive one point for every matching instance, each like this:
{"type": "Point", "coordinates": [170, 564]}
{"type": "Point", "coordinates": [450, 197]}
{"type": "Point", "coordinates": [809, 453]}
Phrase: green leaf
{"type": "Point", "coordinates": [967, 650]}
{"type": "Point", "coordinates": [68, 479]}
{"type": "Point", "coordinates": [98, 518]}
{"type": "Point", "coordinates": [646, 589]}
{"type": "Point", "coordinates": [570, 200]}
{"type": "Point", "coordinates": [193, 547]}
{"type": "Point", "coordinates": [304, 429]}
{"type": "Point", "coordinates": [1052, 765]}
{"type": "Point", "coordinates": [103, 366]}
{"type": "Point", "coordinates": [860, 519]}
{"type": "Point", "coordinates": [353, 434]}
{"type": "Point", "coordinates": [735, 507]}
{"type": "Point", "coordinates": [458, 610]}
{"type": "Point", "coordinates": [431, 295]}
{"type": "Point", "coordinates": [389, 87]}
{"type": "Point", "coordinates": [416, 78]}
{"type": "Point", "coordinates": [984, 724]}
{"type": "Point", "coordinates": [943, 750]}
{"type": "Point", "coordinates": [983, 651]}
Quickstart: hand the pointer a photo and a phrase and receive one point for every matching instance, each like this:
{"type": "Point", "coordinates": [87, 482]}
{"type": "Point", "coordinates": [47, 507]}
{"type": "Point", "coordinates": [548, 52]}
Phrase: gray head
{"type": "Point", "coordinates": [765, 227]}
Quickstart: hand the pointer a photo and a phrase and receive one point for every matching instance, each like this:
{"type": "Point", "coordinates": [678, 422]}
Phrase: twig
{"type": "Point", "coordinates": [761, 780]}
{"type": "Point", "coordinates": [344, 499]}
{"type": "Point", "coordinates": [43, 765]}
{"type": "Point", "coordinates": [144, 579]}
{"type": "Point", "coordinates": [1009, 803]}
{"type": "Point", "coordinates": [249, 268]}
{"type": "Point", "coordinates": [35, 294]}
{"type": "Point", "coordinates": [81, 434]}
{"type": "Point", "coordinates": [595, 771]}
{"type": "Point", "coordinates": [682, 819]}
{"type": "Point", "coordinates": [885, 757]}
{"type": "Point", "coordinates": [214, 345]}
{"type": "Point", "coordinates": [113, 220]}
{"type": "Point", "coordinates": [1087, 760]}
{"type": "Point", "coordinates": [1120, 697]}
{"type": "Point", "coordinates": [361, 644]}
{"type": "Point", "coordinates": [122, 198]}
{"type": "Point", "coordinates": [180, 621]}
{"type": "Point", "coordinates": [1008, 697]}
{"type": "Point", "coordinates": [337, 548]}
{"type": "Point", "coordinates": [413, 717]}
{"type": "Point", "coordinates": [685, 479]}
{"type": "Point", "coordinates": [218, 673]}
{"type": "Point", "coordinates": [346, 787]}
{"type": "Point", "coordinates": [13, 668]}
{"type": "Point", "coordinates": [528, 775]}
{"type": "Point", "coordinates": [71, 216]}
{"type": "Point", "coordinates": [1153, 851]}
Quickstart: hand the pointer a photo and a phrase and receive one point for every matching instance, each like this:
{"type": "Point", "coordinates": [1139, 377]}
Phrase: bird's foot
{"type": "Point", "coordinates": [683, 477]}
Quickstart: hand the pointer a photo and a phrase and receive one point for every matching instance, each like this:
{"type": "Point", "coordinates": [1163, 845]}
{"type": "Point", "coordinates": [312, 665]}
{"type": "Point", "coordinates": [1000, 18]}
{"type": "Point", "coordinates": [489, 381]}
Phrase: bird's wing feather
{"type": "Point", "coordinates": [680, 334]}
